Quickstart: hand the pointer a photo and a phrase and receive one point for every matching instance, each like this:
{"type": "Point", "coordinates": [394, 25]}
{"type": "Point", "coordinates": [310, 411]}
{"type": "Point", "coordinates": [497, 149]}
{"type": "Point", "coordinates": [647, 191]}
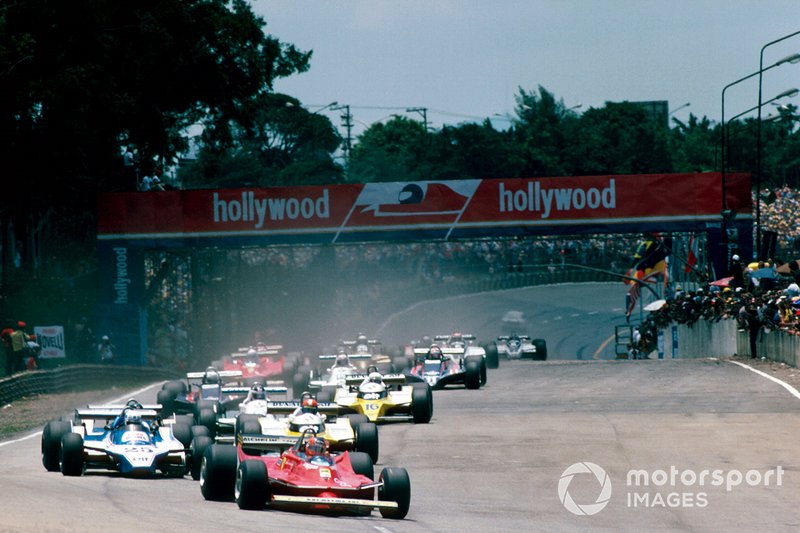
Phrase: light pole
{"type": "Point", "coordinates": [687, 104]}
{"type": "Point", "coordinates": [789, 59]}
{"type": "Point", "coordinates": [758, 139]}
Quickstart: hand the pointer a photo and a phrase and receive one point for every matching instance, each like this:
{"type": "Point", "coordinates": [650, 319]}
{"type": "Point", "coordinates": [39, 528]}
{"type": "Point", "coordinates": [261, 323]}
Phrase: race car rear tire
{"type": "Point", "coordinates": [182, 432]}
{"type": "Point", "coordinates": [166, 399]}
{"type": "Point", "coordinates": [396, 488]}
{"type": "Point", "coordinates": [185, 419]}
{"type": "Point", "coordinates": [327, 394]}
{"type": "Point", "coordinates": [299, 384]}
{"type": "Point", "coordinates": [541, 349]}
{"type": "Point", "coordinates": [51, 443]}
{"type": "Point", "coordinates": [200, 431]}
{"type": "Point", "coordinates": [422, 404]}
{"type": "Point", "coordinates": [247, 424]}
{"type": "Point", "coordinates": [251, 489]}
{"type": "Point", "coordinates": [356, 419]}
{"type": "Point", "coordinates": [197, 448]}
{"type": "Point", "coordinates": [362, 464]}
{"type": "Point", "coordinates": [71, 457]}
{"type": "Point", "coordinates": [367, 439]}
{"type": "Point", "coordinates": [208, 419]}
{"type": "Point", "coordinates": [176, 387]}
{"type": "Point", "coordinates": [218, 472]}
{"type": "Point", "coordinates": [201, 404]}
{"type": "Point", "coordinates": [400, 364]}
{"type": "Point", "coordinates": [472, 371]}
{"type": "Point", "coordinates": [492, 357]}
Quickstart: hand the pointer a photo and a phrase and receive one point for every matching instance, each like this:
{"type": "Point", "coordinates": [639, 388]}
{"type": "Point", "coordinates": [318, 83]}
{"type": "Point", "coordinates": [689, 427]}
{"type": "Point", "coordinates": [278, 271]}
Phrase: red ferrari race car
{"type": "Point", "coordinates": [305, 476]}
{"type": "Point", "coordinates": [262, 362]}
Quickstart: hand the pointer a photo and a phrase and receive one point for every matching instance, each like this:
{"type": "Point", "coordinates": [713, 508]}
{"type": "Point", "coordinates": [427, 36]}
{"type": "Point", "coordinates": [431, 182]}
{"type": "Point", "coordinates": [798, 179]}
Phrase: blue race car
{"type": "Point", "coordinates": [129, 439]}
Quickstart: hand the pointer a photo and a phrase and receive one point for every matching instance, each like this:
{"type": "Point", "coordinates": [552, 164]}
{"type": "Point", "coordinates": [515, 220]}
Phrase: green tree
{"type": "Point", "coordinates": [281, 144]}
{"type": "Point", "coordinates": [391, 151]}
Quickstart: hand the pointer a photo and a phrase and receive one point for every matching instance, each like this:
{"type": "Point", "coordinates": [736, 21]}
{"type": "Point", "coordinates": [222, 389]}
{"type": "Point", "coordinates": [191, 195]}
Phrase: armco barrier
{"type": "Point", "coordinates": [68, 377]}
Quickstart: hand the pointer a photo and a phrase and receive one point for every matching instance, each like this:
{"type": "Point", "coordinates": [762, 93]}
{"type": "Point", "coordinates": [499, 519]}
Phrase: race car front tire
{"type": "Point", "coordinates": [251, 489]}
{"type": "Point", "coordinates": [422, 404]}
{"type": "Point", "coordinates": [327, 394]}
{"type": "Point", "coordinates": [483, 371]}
{"type": "Point", "coordinates": [51, 443]}
{"type": "Point", "coordinates": [183, 433]}
{"type": "Point", "coordinates": [200, 431]}
{"type": "Point", "coordinates": [197, 449]}
{"type": "Point", "coordinates": [299, 384]}
{"type": "Point", "coordinates": [400, 364]}
{"type": "Point", "coordinates": [367, 439]}
{"type": "Point", "coordinates": [541, 349]}
{"type": "Point", "coordinates": [218, 472]}
{"type": "Point", "coordinates": [396, 488]}
{"type": "Point", "coordinates": [362, 464]}
{"type": "Point", "coordinates": [472, 371]}
{"type": "Point", "coordinates": [356, 419]}
{"type": "Point", "coordinates": [71, 457]}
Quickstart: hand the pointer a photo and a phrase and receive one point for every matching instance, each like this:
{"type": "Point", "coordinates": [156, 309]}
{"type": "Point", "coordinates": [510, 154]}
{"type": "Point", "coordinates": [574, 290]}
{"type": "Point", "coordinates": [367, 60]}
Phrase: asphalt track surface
{"type": "Point", "coordinates": [492, 459]}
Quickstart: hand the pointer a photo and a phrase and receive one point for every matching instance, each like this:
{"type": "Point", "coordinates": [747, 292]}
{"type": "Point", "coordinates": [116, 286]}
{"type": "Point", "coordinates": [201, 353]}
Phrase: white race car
{"type": "Point", "coordinates": [521, 347]}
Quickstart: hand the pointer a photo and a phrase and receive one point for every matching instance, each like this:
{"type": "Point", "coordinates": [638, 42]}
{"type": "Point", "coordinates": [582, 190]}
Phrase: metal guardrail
{"type": "Point", "coordinates": [69, 377]}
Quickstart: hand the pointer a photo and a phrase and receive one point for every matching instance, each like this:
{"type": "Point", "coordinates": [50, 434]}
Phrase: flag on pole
{"type": "Point", "coordinates": [691, 254]}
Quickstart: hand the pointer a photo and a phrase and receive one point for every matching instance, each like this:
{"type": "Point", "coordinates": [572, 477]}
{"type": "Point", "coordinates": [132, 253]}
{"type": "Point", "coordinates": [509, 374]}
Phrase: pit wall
{"type": "Point", "coordinates": [723, 339]}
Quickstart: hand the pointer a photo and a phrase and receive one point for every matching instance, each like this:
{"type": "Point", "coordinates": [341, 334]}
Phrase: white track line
{"type": "Point", "coordinates": [115, 400]}
{"type": "Point", "coordinates": [783, 384]}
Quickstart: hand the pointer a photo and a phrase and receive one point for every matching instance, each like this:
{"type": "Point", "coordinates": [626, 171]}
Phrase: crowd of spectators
{"type": "Point", "coordinates": [766, 299]}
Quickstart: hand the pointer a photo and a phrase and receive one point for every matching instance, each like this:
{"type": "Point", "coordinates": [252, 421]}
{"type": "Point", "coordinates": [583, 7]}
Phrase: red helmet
{"type": "Point", "coordinates": [316, 446]}
{"type": "Point", "coordinates": [309, 405]}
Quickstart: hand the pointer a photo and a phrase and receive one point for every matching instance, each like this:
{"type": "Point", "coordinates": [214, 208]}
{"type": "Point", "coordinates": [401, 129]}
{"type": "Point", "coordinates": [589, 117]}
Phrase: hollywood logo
{"type": "Point", "coordinates": [428, 201]}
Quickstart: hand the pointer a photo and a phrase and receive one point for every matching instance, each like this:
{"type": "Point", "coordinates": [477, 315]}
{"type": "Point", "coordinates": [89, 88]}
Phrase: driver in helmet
{"type": "Point", "coordinates": [256, 392]}
{"type": "Point", "coordinates": [435, 352]}
{"type": "Point", "coordinates": [316, 447]}
{"type": "Point", "coordinates": [211, 376]}
{"type": "Point", "coordinates": [342, 361]}
{"type": "Point", "coordinates": [307, 406]}
{"type": "Point", "coordinates": [372, 383]}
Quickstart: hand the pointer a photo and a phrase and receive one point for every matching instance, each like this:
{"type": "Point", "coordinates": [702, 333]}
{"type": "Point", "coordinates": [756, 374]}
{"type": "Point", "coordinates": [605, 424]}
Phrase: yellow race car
{"type": "Point", "coordinates": [382, 398]}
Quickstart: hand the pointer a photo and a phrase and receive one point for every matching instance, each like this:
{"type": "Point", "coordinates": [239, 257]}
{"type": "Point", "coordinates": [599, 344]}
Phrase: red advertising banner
{"type": "Point", "coordinates": [435, 209]}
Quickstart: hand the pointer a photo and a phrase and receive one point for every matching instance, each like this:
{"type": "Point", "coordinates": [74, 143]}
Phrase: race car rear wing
{"type": "Point", "coordinates": [352, 357]}
{"type": "Point", "coordinates": [465, 336]}
{"type": "Point", "coordinates": [245, 390]}
{"type": "Point", "coordinates": [105, 412]}
{"type": "Point", "coordinates": [222, 374]}
{"type": "Point", "coordinates": [260, 347]}
{"type": "Point", "coordinates": [388, 379]}
{"type": "Point", "coordinates": [262, 442]}
{"type": "Point", "coordinates": [259, 353]}
{"type": "Point", "coordinates": [285, 408]}
{"type": "Point", "coordinates": [445, 350]}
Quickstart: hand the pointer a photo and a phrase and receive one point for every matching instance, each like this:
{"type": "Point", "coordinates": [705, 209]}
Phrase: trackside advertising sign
{"type": "Point", "coordinates": [429, 209]}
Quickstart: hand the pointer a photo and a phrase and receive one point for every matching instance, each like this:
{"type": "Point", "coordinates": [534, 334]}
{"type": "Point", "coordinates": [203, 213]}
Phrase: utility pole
{"type": "Point", "coordinates": [347, 124]}
{"type": "Point", "coordinates": [422, 111]}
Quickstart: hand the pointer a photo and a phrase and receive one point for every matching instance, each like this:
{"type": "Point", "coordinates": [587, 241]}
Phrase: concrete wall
{"type": "Point", "coordinates": [722, 339]}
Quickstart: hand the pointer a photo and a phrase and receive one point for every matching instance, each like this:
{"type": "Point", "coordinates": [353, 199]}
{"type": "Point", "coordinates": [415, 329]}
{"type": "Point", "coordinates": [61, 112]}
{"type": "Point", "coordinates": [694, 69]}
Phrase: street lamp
{"type": "Point", "coordinates": [758, 138]}
{"type": "Point", "coordinates": [794, 58]}
{"type": "Point", "coordinates": [687, 104]}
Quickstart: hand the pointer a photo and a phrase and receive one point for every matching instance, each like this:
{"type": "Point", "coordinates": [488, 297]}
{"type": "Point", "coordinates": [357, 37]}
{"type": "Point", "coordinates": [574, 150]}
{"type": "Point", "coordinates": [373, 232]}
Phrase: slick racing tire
{"type": "Point", "coordinates": [176, 388]}
{"type": "Point", "coordinates": [483, 371]}
{"type": "Point", "coordinates": [51, 443]}
{"type": "Point", "coordinates": [396, 488]}
{"type": "Point", "coordinates": [400, 364]}
{"type": "Point", "coordinates": [367, 439]}
{"type": "Point", "coordinates": [200, 431]}
{"type": "Point", "coordinates": [183, 433]}
{"type": "Point", "coordinates": [326, 395]}
{"type": "Point", "coordinates": [166, 399]}
{"type": "Point", "coordinates": [299, 384]}
{"type": "Point", "coordinates": [198, 447]}
{"type": "Point", "coordinates": [492, 357]}
{"type": "Point", "coordinates": [251, 489]}
{"type": "Point", "coordinates": [207, 418]}
{"type": "Point", "coordinates": [422, 404]}
{"type": "Point", "coordinates": [356, 419]}
{"type": "Point", "coordinates": [71, 457]}
{"type": "Point", "coordinates": [218, 472]}
{"type": "Point", "coordinates": [362, 464]}
{"type": "Point", "coordinates": [201, 404]}
{"type": "Point", "coordinates": [247, 424]}
{"type": "Point", "coordinates": [541, 349]}
{"type": "Point", "coordinates": [472, 371]}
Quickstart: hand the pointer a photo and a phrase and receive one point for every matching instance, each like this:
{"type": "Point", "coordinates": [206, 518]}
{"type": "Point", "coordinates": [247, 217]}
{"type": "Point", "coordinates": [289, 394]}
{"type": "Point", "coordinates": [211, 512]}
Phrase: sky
{"type": "Point", "coordinates": [465, 60]}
